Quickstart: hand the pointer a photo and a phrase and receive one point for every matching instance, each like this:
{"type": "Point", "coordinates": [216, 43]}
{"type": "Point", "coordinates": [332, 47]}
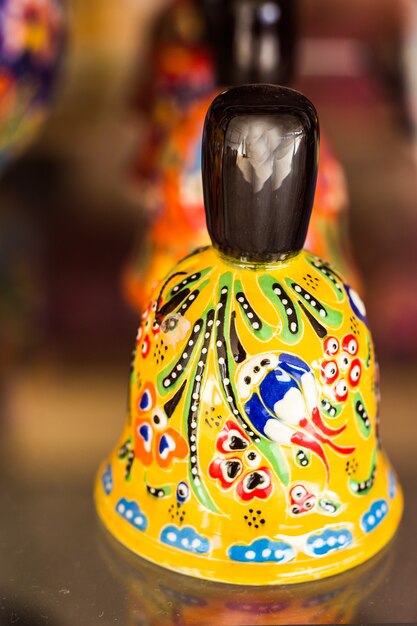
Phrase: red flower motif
{"type": "Point", "coordinates": [341, 368]}
{"type": "Point", "coordinates": [145, 347]}
{"type": "Point", "coordinates": [329, 371]}
{"type": "Point", "coordinates": [256, 484]}
{"type": "Point", "coordinates": [350, 344]}
{"type": "Point", "coordinates": [226, 470]}
{"type": "Point", "coordinates": [231, 439]}
{"type": "Point", "coordinates": [355, 372]}
{"type": "Point", "coordinates": [302, 501]}
{"type": "Point", "coordinates": [239, 465]}
{"type": "Point", "coordinates": [147, 330]}
{"type": "Point", "coordinates": [331, 346]}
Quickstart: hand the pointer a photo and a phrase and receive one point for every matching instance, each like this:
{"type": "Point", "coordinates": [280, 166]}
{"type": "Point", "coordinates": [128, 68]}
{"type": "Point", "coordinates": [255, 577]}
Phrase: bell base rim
{"type": "Point", "coordinates": [247, 574]}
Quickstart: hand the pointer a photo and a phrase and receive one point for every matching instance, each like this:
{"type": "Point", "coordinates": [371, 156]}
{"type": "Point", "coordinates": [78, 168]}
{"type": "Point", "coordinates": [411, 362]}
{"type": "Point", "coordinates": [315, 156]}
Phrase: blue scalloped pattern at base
{"type": "Point", "coordinates": [262, 551]}
{"type": "Point", "coordinates": [374, 516]}
{"type": "Point", "coordinates": [186, 538]}
{"type": "Point", "coordinates": [320, 544]}
{"type": "Point", "coordinates": [130, 511]}
{"type": "Point", "coordinates": [107, 480]}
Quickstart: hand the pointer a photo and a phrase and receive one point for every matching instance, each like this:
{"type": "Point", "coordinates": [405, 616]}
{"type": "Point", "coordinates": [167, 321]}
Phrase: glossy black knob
{"type": "Point", "coordinates": [253, 41]}
{"type": "Point", "coordinates": [259, 162]}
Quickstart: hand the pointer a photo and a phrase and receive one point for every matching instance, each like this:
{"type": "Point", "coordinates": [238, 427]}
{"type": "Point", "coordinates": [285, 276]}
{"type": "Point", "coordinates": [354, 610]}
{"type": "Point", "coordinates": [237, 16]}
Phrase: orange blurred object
{"type": "Point", "coordinates": [179, 224]}
{"type": "Point", "coordinates": [168, 172]}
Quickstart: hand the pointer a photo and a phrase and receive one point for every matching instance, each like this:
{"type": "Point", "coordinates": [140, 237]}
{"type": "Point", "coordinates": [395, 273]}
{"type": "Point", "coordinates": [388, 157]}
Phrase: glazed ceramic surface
{"type": "Point", "coordinates": [31, 33]}
{"type": "Point", "coordinates": [250, 452]}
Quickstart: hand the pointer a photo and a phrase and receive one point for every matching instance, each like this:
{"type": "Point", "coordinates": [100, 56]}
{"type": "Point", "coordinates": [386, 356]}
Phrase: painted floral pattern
{"type": "Point", "coordinates": [341, 369]}
{"type": "Point", "coordinates": [257, 430]}
{"type": "Point", "coordinates": [147, 331]}
{"type": "Point", "coordinates": [239, 465]}
{"type": "Point", "coordinates": [154, 440]}
{"type": "Point", "coordinates": [282, 404]}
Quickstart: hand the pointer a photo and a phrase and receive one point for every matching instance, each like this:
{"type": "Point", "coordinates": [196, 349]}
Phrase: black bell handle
{"type": "Point", "coordinates": [259, 163]}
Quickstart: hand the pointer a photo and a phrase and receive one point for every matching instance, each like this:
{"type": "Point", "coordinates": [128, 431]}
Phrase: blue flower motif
{"type": "Point", "coordinates": [392, 485]}
{"type": "Point", "coordinates": [320, 544]}
{"type": "Point", "coordinates": [374, 516]}
{"type": "Point", "coordinates": [130, 511]}
{"type": "Point", "coordinates": [186, 538]}
{"type": "Point", "coordinates": [262, 551]}
{"type": "Point", "coordinates": [107, 480]}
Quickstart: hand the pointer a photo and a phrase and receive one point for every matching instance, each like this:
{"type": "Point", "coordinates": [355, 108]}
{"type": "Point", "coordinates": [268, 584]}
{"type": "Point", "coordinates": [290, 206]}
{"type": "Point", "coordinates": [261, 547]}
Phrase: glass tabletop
{"type": "Point", "coordinates": [60, 567]}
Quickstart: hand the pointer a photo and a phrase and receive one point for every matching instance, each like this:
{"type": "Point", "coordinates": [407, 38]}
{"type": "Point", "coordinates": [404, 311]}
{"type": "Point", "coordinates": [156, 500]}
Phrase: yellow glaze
{"type": "Point", "coordinates": [250, 451]}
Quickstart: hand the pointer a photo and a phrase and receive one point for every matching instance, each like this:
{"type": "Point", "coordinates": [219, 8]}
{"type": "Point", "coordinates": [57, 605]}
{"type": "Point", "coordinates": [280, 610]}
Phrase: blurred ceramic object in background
{"type": "Point", "coordinates": [250, 453]}
{"type": "Point", "coordinates": [181, 73]}
{"type": "Point", "coordinates": [409, 53]}
{"type": "Point", "coordinates": [253, 41]}
{"type": "Point", "coordinates": [180, 227]}
{"type": "Point", "coordinates": [31, 37]}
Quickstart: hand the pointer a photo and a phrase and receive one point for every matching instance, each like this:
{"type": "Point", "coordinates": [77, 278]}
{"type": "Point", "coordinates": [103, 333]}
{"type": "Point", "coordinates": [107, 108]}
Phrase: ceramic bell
{"type": "Point", "coordinates": [252, 41]}
{"type": "Point", "coordinates": [31, 38]}
{"type": "Point", "coordinates": [250, 452]}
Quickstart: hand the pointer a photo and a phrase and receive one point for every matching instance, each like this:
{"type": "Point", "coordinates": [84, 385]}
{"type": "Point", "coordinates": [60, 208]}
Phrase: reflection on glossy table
{"type": "Point", "coordinates": [58, 566]}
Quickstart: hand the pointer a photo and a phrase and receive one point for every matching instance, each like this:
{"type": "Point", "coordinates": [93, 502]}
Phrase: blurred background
{"type": "Point", "coordinates": [70, 222]}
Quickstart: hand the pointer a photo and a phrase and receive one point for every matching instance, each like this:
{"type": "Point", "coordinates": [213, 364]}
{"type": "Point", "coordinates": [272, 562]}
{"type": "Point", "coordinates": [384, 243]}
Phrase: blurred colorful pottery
{"type": "Point", "coordinates": [171, 189]}
{"type": "Point", "coordinates": [179, 226]}
{"type": "Point", "coordinates": [31, 35]}
{"type": "Point", "coordinates": [181, 72]}
{"type": "Point", "coordinates": [250, 453]}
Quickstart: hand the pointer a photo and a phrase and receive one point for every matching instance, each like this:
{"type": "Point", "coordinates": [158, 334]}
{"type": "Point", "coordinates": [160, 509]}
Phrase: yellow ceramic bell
{"type": "Point", "coordinates": [250, 452]}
